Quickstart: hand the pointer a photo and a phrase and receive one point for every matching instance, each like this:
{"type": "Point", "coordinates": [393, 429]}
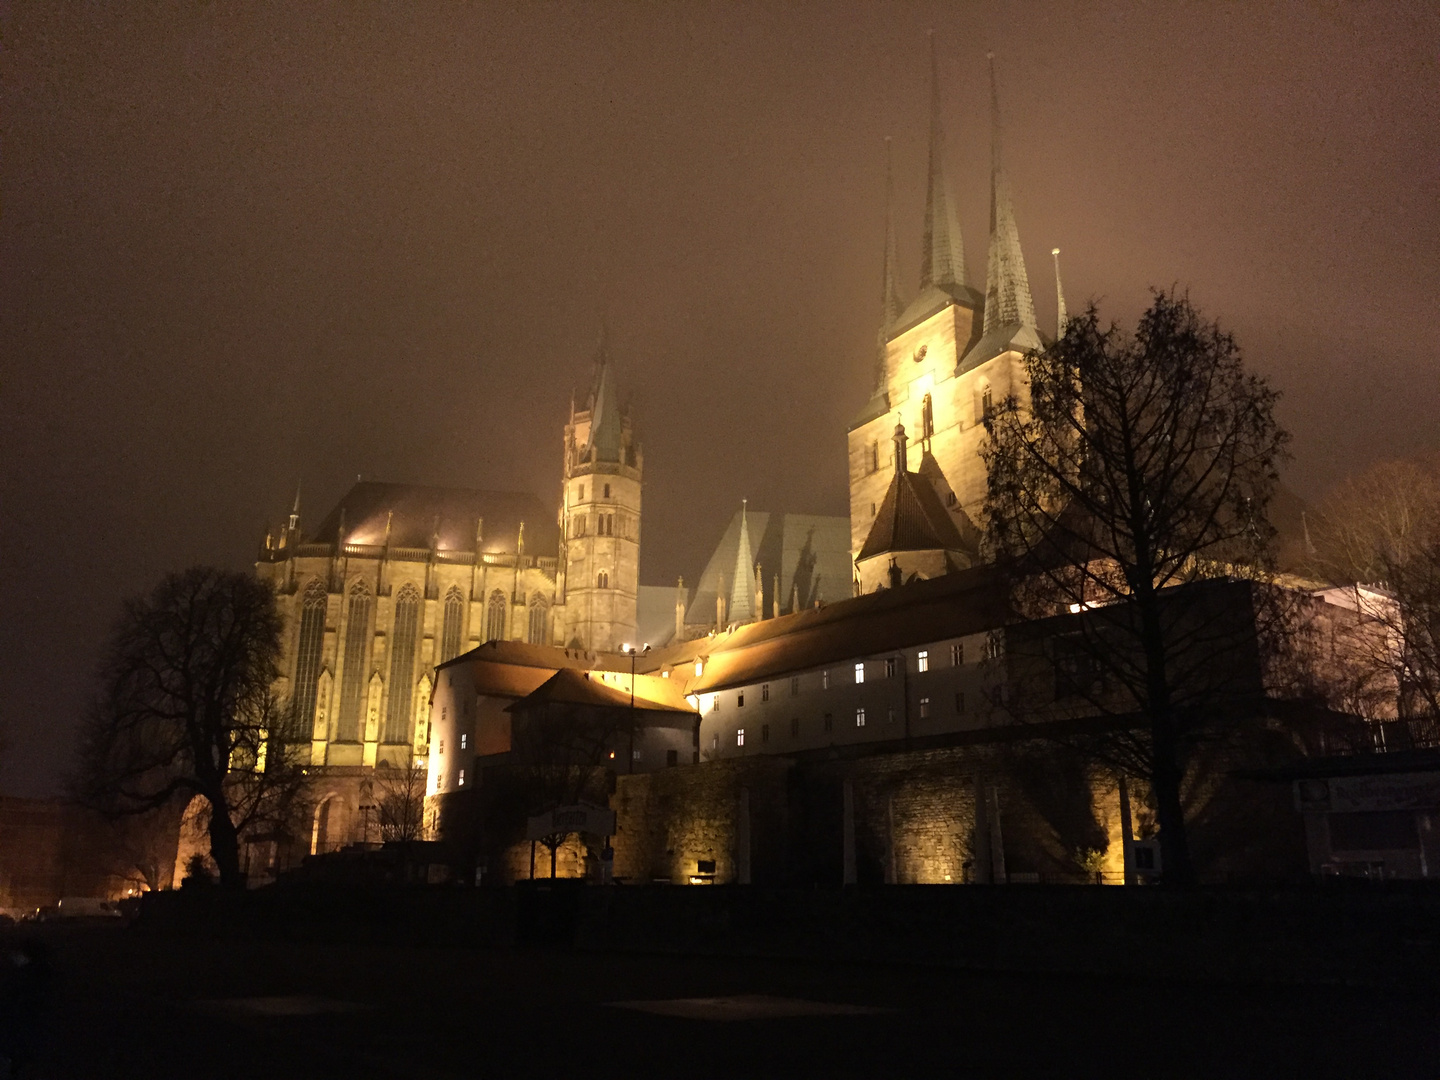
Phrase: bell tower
{"type": "Point", "coordinates": [600, 519]}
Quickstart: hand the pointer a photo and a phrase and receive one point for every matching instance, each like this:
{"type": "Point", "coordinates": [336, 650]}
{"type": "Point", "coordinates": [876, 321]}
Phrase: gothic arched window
{"type": "Point", "coordinates": [538, 611]}
{"type": "Point", "coordinates": [927, 417]}
{"type": "Point", "coordinates": [987, 400]}
{"type": "Point", "coordinates": [602, 580]}
{"type": "Point", "coordinates": [402, 666]}
{"type": "Point", "coordinates": [309, 655]}
{"type": "Point", "coordinates": [357, 652]}
{"type": "Point", "coordinates": [495, 617]}
{"type": "Point", "coordinates": [453, 625]}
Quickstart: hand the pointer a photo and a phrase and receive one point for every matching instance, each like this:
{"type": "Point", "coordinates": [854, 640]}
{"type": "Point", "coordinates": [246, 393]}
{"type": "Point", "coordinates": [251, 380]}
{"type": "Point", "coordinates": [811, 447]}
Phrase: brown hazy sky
{"type": "Point", "coordinates": [243, 245]}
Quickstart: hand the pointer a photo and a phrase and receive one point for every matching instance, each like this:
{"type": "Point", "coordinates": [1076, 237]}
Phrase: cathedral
{"type": "Point", "coordinates": [400, 578]}
{"type": "Point", "coordinates": [917, 479]}
{"type": "Point", "coordinates": [399, 583]}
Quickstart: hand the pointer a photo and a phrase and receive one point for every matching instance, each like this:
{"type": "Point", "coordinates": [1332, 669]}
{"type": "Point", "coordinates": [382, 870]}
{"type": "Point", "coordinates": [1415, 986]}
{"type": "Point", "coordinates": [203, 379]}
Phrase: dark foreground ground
{"type": "Point", "coordinates": [126, 1002]}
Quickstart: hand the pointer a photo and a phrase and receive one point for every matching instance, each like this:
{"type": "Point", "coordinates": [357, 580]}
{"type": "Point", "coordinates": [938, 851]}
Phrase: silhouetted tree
{"type": "Point", "coordinates": [400, 800]}
{"type": "Point", "coordinates": [185, 708]}
{"type": "Point", "coordinates": [1130, 467]}
{"type": "Point", "coordinates": [1381, 529]}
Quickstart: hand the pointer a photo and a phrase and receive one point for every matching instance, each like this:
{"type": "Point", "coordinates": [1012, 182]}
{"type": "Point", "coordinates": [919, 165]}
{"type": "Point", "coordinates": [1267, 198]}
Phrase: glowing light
{"type": "Point", "coordinates": [699, 667]}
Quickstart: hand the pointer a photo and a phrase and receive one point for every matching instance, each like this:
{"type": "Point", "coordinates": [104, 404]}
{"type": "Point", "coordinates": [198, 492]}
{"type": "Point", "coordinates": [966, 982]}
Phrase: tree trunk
{"type": "Point", "coordinates": [1166, 769]}
{"type": "Point", "coordinates": [225, 847]}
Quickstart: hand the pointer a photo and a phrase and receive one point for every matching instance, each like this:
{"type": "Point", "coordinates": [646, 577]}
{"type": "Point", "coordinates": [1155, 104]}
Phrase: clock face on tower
{"type": "Point", "coordinates": [920, 353]}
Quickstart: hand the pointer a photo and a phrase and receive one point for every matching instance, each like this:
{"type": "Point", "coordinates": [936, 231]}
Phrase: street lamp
{"type": "Point", "coordinates": [634, 652]}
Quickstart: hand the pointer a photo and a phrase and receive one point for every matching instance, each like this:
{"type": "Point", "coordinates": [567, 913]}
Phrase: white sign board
{"type": "Point", "coordinates": [580, 818]}
{"type": "Point", "coordinates": [1347, 794]}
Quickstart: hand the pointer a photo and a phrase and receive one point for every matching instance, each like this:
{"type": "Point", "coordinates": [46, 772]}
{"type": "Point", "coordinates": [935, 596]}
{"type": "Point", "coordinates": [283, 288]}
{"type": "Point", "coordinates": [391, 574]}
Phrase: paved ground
{"type": "Point", "coordinates": [126, 1005]}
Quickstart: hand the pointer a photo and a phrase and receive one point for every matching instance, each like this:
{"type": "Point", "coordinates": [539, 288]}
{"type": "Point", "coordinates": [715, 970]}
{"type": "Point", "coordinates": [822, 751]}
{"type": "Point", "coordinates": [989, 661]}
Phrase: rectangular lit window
{"type": "Point", "coordinates": [699, 668]}
{"type": "Point", "coordinates": [715, 703]}
{"type": "Point", "coordinates": [859, 673]}
{"type": "Point", "coordinates": [765, 692]}
{"type": "Point", "coordinates": [634, 755]}
{"type": "Point", "coordinates": [462, 778]}
{"type": "Point", "coordinates": [924, 708]}
{"type": "Point", "coordinates": [992, 647]}
{"type": "Point", "coordinates": [922, 661]}
{"type": "Point", "coordinates": [825, 679]}
{"type": "Point", "coordinates": [890, 667]}
{"type": "Point", "coordinates": [859, 717]}
{"type": "Point", "coordinates": [464, 740]}
{"type": "Point", "coordinates": [740, 736]}
{"type": "Point", "coordinates": [764, 732]}
{"type": "Point", "coordinates": [715, 741]}
{"type": "Point", "coordinates": [957, 654]}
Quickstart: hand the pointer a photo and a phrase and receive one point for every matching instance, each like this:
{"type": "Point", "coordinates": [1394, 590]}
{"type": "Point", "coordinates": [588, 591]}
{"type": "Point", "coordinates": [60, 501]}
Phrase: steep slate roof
{"type": "Point", "coordinates": [570, 687]}
{"type": "Point", "coordinates": [968, 602]}
{"type": "Point", "coordinates": [605, 427]}
{"type": "Point", "coordinates": [911, 518]}
{"type": "Point", "coordinates": [810, 551]}
{"type": "Point", "coordinates": [415, 508]}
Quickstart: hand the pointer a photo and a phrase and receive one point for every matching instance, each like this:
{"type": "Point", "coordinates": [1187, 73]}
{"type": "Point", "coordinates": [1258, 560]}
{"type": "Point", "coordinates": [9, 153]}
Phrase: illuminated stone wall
{"type": "Point", "coordinates": [921, 802]}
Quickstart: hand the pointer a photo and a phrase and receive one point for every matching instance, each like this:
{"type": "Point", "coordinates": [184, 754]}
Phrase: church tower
{"type": "Point", "coordinates": [600, 519]}
{"type": "Point", "coordinates": [946, 360]}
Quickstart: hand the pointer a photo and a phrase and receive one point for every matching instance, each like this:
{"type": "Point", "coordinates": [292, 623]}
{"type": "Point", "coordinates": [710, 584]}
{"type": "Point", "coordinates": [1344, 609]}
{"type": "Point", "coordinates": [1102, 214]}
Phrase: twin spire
{"type": "Point", "coordinates": [1007, 288]}
{"type": "Point", "coordinates": [942, 254]}
{"type": "Point", "coordinates": [1008, 303]}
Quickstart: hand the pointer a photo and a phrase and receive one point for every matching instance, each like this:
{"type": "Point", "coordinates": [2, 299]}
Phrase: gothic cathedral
{"type": "Point", "coordinates": [399, 578]}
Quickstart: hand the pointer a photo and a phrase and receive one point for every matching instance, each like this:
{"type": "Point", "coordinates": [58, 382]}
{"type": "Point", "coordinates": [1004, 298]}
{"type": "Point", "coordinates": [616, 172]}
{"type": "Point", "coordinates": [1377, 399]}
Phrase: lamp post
{"type": "Point", "coordinates": [634, 652]}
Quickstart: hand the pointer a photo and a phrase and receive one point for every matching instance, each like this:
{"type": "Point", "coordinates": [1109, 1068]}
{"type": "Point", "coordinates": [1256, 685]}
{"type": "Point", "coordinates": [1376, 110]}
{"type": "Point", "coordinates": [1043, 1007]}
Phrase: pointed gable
{"type": "Point", "coordinates": [911, 518]}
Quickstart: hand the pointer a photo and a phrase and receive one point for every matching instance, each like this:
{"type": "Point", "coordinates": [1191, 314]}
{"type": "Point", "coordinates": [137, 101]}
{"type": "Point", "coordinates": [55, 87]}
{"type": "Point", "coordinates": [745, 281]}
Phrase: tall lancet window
{"type": "Point", "coordinates": [927, 417]}
{"type": "Point", "coordinates": [453, 625]}
{"type": "Point", "coordinates": [357, 655]}
{"type": "Point", "coordinates": [538, 611]}
{"type": "Point", "coordinates": [495, 617]}
{"type": "Point", "coordinates": [308, 658]}
{"type": "Point", "coordinates": [402, 666]}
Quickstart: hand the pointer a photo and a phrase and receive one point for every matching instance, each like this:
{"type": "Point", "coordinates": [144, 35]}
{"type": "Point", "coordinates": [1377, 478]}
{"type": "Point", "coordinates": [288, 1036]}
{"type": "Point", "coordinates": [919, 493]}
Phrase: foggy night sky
{"type": "Point", "coordinates": [243, 245]}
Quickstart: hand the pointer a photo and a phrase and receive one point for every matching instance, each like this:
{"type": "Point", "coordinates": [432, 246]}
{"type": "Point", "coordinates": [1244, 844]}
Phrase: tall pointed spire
{"type": "Point", "coordinates": [1060, 317]}
{"type": "Point", "coordinates": [891, 303]}
{"type": "Point", "coordinates": [742, 598]}
{"type": "Point", "coordinates": [1007, 288]}
{"type": "Point", "coordinates": [605, 427]}
{"type": "Point", "coordinates": [295, 511]}
{"type": "Point", "coordinates": [942, 253]}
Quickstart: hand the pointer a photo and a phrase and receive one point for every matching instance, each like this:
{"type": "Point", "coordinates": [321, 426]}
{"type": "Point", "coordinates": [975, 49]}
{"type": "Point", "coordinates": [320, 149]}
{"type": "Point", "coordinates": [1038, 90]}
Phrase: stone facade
{"type": "Point", "coordinates": [400, 578]}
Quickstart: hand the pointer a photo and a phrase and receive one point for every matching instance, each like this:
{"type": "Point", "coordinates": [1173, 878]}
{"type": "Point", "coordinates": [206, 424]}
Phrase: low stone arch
{"type": "Point", "coordinates": [325, 824]}
{"type": "Point", "coordinates": [194, 837]}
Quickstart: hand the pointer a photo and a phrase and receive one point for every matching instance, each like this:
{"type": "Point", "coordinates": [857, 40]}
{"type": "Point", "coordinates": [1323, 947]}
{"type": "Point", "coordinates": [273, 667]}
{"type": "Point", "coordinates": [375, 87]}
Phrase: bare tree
{"type": "Point", "coordinates": [400, 800]}
{"type": "Point", "coordinates": [1137, 466]}
{"type": "Point", "coordinates": [1379, 534]}
{"type": "Point", "coordinates": [185, 709]}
